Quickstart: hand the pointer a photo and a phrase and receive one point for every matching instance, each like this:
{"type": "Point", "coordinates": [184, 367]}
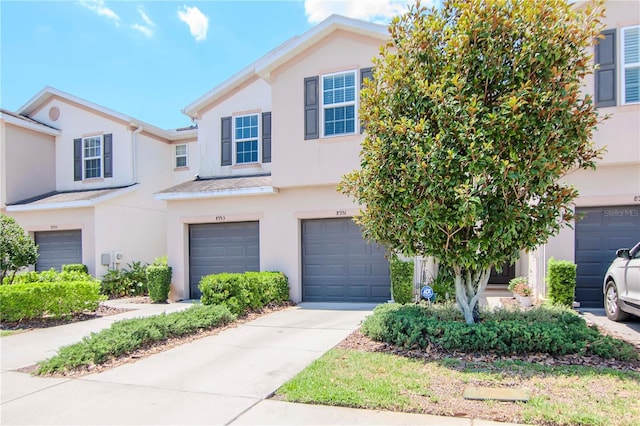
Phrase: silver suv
{"type": "Point", "coordinates": [622, 285]}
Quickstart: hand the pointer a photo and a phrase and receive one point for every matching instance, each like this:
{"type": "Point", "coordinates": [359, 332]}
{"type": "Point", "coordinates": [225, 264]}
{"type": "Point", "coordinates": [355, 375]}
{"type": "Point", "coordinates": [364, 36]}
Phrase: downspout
{"type": "Point", "coordinates": [134, 152]}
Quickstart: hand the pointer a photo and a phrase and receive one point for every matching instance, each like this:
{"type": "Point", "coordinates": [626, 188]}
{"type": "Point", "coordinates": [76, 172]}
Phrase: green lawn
{"type": "Point", "coordinates": [560, 395]}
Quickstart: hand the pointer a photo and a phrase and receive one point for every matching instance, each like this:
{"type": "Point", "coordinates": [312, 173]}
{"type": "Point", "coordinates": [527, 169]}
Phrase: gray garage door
{"type": "Point", "coordinates": [339, 265]}
{"type": "Point", "coordinates": [215, 248]}
{"type": "Point", "coordinates": [599, 234]}
{"type": "Point", "coordinates": [57, 248]}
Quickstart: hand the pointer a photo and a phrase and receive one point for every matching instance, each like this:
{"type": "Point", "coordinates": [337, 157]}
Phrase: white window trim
{"type": "Point", "coordinates": [100, 157]}
{"type": "Point", "coordinates": [234, 141]}
{"type": "Point", "coordinates": [185, 155]}
{"type": "Point", "coordinates": [624, 67]}
{"type": "Point", "coordinates": [354, 103]}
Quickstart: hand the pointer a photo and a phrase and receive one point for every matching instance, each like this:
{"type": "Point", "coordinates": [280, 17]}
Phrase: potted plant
{"type": "Point", "coordinates": [513, 283]}
{"type": "Point", "coordinates": [525, 292]}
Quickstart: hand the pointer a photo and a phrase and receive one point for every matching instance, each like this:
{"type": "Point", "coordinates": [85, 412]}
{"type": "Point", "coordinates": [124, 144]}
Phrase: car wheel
{"type": "Point", "coordinates": [611, 303]}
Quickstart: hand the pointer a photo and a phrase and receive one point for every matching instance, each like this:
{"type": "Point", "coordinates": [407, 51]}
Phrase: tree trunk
{"type": "Point", "coordinates": [470, 285]}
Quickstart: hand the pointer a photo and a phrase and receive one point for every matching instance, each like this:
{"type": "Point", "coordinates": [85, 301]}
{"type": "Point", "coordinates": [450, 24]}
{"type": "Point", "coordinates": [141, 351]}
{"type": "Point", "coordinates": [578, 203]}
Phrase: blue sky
{"type": "Point", "coordinates": [149, 59]}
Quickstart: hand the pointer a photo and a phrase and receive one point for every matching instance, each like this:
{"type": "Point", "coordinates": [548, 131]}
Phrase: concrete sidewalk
{"type": "Point", "coordinates": [222, 379]}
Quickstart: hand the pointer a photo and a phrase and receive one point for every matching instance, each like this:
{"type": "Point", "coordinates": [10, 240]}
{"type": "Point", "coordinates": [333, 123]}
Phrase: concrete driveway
{"type": "Point", "coordinates": [213, 380]}
{"type": "Point", "coordinates": [627, 330]}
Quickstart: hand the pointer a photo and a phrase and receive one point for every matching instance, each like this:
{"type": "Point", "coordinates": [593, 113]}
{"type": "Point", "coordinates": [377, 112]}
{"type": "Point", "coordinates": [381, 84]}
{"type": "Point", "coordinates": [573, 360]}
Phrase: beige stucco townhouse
{"type": "Point", "coordinates": [80, 179]}
{"type": "Point", "coordinates": [276, 138]}
{"type": "Point", "coordinates": [609, 196]}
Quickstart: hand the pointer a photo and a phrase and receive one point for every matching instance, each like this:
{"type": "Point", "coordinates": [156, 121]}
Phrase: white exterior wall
{"type": "Point", "coordinates": [253, 98]}
{"type": "Point", "coordinates": [75, 122]}
{"type": "Point", "coordinates": [280, 236]}
{"type": "Point", "coordinates": [27, 166]}
{"type": "Point", "coordinates": [62, 220]}
{"type": "Point", "coordinates": [300, 162]}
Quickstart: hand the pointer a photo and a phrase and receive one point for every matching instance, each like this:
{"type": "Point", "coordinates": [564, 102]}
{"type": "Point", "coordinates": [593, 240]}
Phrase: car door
{"type": "Point", "coordinates": [632, 276]}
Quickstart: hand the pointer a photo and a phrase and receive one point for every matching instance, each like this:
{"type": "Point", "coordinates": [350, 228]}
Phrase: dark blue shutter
{"type": "Point", "coordinates": [225, 141]}
{"type": "Point", "coordinates": [266, 137]}
{"type": "Point", "coordinates": [311, 108]}
{"type": "Point", "coordinates": [108, 156]}
{"type": "Point", "coordinates": [365, 74]}
{"type": "Point", "coordinates": [605, 75]}
{"type": "Point", "coordinates": [77, 159]}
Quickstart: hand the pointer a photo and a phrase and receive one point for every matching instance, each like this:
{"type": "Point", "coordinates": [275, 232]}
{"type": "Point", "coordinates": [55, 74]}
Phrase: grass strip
{"type": "Point", "coordinates": [124, 337]}
{"type": "Point", "coordinates": [561, 395]}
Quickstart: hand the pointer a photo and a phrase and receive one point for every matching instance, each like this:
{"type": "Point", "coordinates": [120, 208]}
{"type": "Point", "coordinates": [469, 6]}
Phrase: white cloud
{"type": "Point", "coordinates": [380, 11]}
{"type": "Point", "coordinates": [145, 17]}
{"type": "Point", "coordinates": [197, 21]}
{"type": "Point", "coordinates": [145, 31]}
{"type": "Point", "coordinates": [148, 29]}
{"type": "Point", "coordinates": [98, 7]}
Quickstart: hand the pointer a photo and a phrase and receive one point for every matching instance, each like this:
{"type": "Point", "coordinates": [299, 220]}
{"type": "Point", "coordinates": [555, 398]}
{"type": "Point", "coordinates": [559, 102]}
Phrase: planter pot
{"type": "Point", "coordinates": [526, 301]}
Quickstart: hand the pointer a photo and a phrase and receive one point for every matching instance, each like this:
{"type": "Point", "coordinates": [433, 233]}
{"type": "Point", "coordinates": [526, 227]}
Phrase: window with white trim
{"type": "Point", "coordinates": [630, 60]}
{"type": "Point", "coordinates": [245, 139]}
{"type": "Point", "coordinates": [339, 103]}
{"type": "Point", "coordinates": [92, 157]}
{"type": "Point", "coordinates": [181, 155]}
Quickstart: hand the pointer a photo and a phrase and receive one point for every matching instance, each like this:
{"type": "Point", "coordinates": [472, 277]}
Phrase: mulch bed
{"type": "Point", "coordinates": [47, 322]}
{"type": "Point", "coordinates": [360, 342]}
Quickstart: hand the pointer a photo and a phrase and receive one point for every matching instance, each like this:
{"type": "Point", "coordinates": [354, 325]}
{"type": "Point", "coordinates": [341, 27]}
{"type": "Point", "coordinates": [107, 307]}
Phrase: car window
{"type": "Point", "coordinates": [636, 251]}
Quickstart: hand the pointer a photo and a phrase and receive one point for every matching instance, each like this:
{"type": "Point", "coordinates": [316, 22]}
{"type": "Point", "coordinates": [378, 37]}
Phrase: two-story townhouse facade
{"type": "Point", "coordinates": [80, 179]}
{"type": "Point", "coordinates": [609, 200]}
{"type": "Point", "coordinates": [275, 140]}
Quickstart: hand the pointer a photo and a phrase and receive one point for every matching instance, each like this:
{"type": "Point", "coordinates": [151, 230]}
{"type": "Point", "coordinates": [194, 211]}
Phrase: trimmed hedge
{"type": "Point", "coordinates": [554, 331]}
{"type": "Point", "coordinates": [561, 278]}
{"type": "Point", "coordinates": [401, 280]}
{"type": "Point", "coordinates": [159, 282]}
{"type": "Point", "coordinates": [243, 292]}
{"type": "Point", "coordinates": [51, 276]}
{"type": "Point", "coordinates": [124, 337]}
{"type": "Point", "coordinates": [75, 267]}
{"type": "Point", "coordinates": [57, 299]}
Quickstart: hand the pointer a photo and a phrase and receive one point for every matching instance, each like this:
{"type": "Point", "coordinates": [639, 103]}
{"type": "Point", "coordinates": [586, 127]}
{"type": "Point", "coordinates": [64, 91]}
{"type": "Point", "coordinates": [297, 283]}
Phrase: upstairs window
{"type": "Point", "coordinates": [92, 157]}
{"type": "Point", "coordinates": [339, 103]}
{"type": "Point", "coordinates": [630, 60]}
{"type": "Point", "coordinates": [181, 155]}
{"type": "Point", "coordinates": [246, 138]}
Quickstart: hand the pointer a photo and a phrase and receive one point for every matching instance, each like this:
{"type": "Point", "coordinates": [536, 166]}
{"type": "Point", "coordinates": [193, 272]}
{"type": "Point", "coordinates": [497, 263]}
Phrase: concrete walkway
{"type": "Point", "coordinates": [222, 379]}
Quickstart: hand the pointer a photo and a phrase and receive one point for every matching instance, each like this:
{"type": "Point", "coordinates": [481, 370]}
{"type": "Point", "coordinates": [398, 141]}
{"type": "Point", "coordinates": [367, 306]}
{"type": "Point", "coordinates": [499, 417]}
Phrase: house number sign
{"type": "Point", "coordinates": [341, 212]}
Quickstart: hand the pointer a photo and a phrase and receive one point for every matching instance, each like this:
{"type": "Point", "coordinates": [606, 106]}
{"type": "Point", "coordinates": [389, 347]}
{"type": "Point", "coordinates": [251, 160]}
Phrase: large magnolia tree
{"type": "Point", "coordinates": [474, 115]}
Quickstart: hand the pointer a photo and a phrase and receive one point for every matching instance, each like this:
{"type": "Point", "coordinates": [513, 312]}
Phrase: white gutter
{"type": "Point", "coordinates": [261, 190]}
{"type": "Point", "coordinates": [134, 152]}
{"type": "Point", "coordinates": [69, 204]}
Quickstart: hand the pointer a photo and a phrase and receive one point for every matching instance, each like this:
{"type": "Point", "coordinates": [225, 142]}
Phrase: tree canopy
{"type": "Point", "coordinates": [17, 249]}
{"type": "Point", "coordinates": [474, 115]}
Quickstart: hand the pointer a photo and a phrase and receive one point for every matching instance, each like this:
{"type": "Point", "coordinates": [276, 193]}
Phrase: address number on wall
{"type": "Point", "coordinates": [341, 212]}
{"type": "Point", "coordinates": [221, 218]}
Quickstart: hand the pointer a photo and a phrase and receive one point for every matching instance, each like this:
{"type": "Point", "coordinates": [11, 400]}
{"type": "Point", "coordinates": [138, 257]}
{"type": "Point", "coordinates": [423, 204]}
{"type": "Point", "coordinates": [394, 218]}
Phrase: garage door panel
{"type": "Point", "coordinates": [598, 235]}
{"type": "Point", "coordinates": [339, 265]}
{"type": "Point", "coordinates": [216, 248]}
{"type": "Point", "coordinates": [57, 248]}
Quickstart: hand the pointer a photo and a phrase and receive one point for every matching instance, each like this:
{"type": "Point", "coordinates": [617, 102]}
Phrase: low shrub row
{"type": "Point", "coordinates": [124, 337]}
{"type": "Point", "coordinates": [552, 330]}
{"type": "Point", "coordinates": [241, 292]}
{"type": "Point", "coordinates": [57, 299]}
{"type": "Point", "coordinates": [50, 276]}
